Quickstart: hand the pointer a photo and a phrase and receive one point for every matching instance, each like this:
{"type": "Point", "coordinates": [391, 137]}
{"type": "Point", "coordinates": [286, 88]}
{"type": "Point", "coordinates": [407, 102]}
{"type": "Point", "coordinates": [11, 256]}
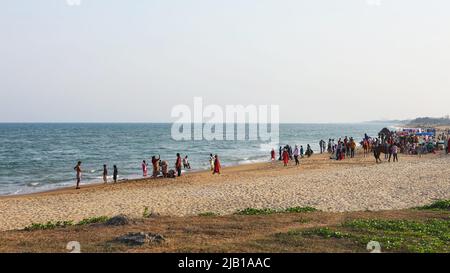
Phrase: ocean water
{"type": "Point", "coordinates": [39, 157]}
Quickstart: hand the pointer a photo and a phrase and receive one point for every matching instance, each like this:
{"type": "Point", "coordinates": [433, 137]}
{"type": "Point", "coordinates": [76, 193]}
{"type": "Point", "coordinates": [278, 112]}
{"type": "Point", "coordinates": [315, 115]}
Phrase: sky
{"type": "Point", "coordinates": [133, 61]}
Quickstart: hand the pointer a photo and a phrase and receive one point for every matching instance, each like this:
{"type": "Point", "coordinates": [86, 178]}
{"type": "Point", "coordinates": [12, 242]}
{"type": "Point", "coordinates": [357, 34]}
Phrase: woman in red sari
{"type": "Point", "coordinates": [285, 157]}
{"type": "Point", "coordinates": [272, 154]}
{"type": "Point", "coordinates": [216, 165]}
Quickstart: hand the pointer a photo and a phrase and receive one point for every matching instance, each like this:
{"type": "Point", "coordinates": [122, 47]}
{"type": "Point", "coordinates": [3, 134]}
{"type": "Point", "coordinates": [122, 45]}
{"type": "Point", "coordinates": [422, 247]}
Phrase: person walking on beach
{"type": "Point", "coordinates": [105, 174]}
{"type": "Point", "coordinates": [394, 150]}
{"type": "Point", "coordinates": [211, 161]}
{"type": "Point", "coordinates": [178, 164]}
{"type": "Point", "coordinates": [302, 151]}
{"type": "Point", "coordinates": [285, 157]}
{"type": "Point", "coordinates": [77, 168]}
{"type": "Point", "coordinates": [272, 154]}
{"type": "Point", "coordinates": [144, 168]}
{"type": "Point", "coordinates": [115, 173]}
{"type": "Point", "coordinates": [280, 154]}
{"type": "Point", "coordinates": [216, 165]}
{"type": "Point", "coordinates": [352, 147]}
{"type": "Point", "coordinates": [296, 155]}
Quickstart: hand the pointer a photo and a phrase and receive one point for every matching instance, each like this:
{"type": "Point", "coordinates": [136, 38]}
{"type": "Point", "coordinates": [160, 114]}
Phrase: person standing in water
{"type": "Point", "coordinates": [105, 174]}
{"type": "Point", "coordinates": [211, 161]}
{"type": "Point", "coordinates": [144, 168]}
{"type": "Point", "coordinates": [216, 165]}
{"type": "Point", "coordinates": [115, 173]}
{"type": "Point", "coordinates": [77, 168]}
{"type": "Point", "coordinates": [186, 163]}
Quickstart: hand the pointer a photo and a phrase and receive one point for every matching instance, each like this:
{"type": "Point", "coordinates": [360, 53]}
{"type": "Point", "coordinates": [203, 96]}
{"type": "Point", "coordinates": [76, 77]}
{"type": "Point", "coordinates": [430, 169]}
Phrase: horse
{"type": "Point", "coordinates": [378, 150]}
{"type": "Point", "coordinates": [366, 146]}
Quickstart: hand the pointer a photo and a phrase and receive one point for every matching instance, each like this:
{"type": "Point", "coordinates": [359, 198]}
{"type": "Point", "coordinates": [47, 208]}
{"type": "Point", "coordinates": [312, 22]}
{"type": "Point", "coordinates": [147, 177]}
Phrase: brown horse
{"type": "Point", "coordinates": [378, 150]}
{"type": "Point", "coordinates": [367, 147]}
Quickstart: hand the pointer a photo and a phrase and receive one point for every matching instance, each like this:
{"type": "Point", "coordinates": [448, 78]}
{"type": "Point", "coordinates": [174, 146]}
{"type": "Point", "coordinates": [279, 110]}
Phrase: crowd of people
{"type": "Point", "coordinates": [160, 168]}
{"type": "Point", "coordinates": [392, 143]}
{"type": "Point", "coordinates": [387, 142]}
{"type": "Point", "coordinates": [342, 148]}
{"type": "Point", "coordinates": [286, 153]}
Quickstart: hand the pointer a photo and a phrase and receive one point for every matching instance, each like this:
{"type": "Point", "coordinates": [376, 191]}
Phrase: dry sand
{"type": "Point", "coordinates": [351, 185]}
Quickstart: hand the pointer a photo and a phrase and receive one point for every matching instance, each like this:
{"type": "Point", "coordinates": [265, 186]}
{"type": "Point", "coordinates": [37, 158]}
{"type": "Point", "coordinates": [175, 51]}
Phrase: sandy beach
{"type": "Point", "coordinates": [351, 185]}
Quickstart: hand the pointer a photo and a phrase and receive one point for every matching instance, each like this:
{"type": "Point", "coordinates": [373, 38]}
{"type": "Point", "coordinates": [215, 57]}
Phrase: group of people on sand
{"type": "Point", "coordinates": [343, 148]}
{"type": "Point", "coordinates": [286, 153]}
{"type": "Point", "coordinates": [78, 171]}
{"type": "Point", "coordinates": [160, 168]}
{"type": "Point", "coordinates": [392, 144]}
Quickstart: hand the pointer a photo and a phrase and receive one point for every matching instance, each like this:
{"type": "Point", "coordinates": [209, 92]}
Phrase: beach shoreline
{"type": "Point", "coordinates": [350, 185]}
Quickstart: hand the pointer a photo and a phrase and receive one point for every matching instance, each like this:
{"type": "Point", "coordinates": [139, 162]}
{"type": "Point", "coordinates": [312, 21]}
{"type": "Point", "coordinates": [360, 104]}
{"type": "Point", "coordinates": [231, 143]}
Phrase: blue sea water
{"type": "Point", "coordinates": [38, 157]}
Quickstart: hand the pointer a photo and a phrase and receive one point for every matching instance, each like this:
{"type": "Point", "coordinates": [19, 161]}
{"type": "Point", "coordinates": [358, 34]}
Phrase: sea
{"type": "Point", "coordinates": [36, 157]}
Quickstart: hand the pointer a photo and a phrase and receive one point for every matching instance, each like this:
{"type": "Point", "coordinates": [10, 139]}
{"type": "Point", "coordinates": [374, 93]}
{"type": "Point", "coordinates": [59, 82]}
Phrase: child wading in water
{"type": "Point", "coordinates": [105, 174]}
{"type": "Point", "coordinates": [216, 165]}
{"type": "Point", "coordinates": [144, 168]}
{"type": "Point", "coordinates": [115, 173]}
{"type": "Point", "coordinates": [186, 163]}
{"type": "Point", "coordinates": [77, 168]}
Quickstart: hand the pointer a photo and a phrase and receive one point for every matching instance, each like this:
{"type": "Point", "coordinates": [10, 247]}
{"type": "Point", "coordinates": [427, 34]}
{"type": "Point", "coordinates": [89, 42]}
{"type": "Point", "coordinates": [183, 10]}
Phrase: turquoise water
{"type": "Point", "coordinates": [39, 157]}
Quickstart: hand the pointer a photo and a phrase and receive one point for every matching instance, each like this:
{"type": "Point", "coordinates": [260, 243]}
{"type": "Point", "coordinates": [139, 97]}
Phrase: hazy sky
{"type": "Point", "coordinates": [320, 60]}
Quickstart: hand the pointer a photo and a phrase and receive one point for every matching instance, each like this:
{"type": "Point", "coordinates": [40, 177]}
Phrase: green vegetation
{"type": "Point", "coordinates": [254, 211]}
{"type": "Point", "coordinates": [146, 213]}
{"type": "Point", "coordinates": [430, 236]}
{"type": "Point", "coordinates": [93, 220]}
{"type": "Point", "coordinates": [438, 205]}
{"type": "Point", "coordinates": [63, 224]}
{"type": "Point", "coordinates": [300, 209]}
{"type": "Point", "coordinates": [49, 225]}
{"type": "Point", "coordinates": [322, 232]}
{"type": "Point", "coordinates": [208, 214]}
